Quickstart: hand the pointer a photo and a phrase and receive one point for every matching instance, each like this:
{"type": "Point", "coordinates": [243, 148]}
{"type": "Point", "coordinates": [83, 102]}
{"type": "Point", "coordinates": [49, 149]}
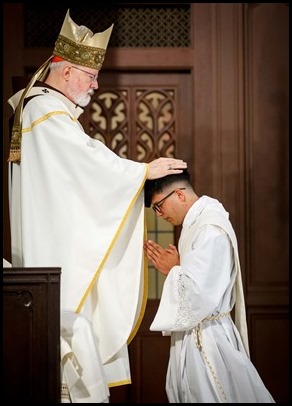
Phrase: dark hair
{"type": "Point", "coordinates": [158, 185]}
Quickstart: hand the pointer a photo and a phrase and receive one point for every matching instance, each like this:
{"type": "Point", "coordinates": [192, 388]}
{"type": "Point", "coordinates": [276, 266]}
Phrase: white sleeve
{"type": "Point", "coordinates": [197, 288]}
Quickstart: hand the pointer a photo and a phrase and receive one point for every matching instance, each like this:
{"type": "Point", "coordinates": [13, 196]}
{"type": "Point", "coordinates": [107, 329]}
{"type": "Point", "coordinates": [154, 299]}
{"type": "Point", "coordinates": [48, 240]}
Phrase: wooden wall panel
{"type": "Point", "coordinates": [267, 136]}
{"type": "Point", "coordinates": [269, 337]}
{"type": "Point", "coordinates": [267, 66]}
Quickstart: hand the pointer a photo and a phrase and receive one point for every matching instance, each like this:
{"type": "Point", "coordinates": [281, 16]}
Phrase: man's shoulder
{"type": "Point", "coordinates": [213, 212]}
{"type": "Point", "coordinates": [33, 92]}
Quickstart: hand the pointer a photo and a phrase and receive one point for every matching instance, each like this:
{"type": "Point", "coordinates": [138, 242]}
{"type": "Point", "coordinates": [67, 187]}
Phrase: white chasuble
{"type": "Point", "coordinates": [75, 204]}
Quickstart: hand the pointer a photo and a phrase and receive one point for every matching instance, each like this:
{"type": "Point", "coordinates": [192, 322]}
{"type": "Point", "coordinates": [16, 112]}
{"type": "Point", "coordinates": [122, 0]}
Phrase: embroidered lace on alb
{"type": "Point", "coordinates": [185, 316]}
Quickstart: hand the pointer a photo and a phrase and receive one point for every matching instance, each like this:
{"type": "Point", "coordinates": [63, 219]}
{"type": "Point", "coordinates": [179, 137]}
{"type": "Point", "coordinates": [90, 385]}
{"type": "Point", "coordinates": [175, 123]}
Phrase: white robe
{"type": "Point", "coordinates": [209, 359]}
{"type": "Point", "coordinates": [75, 204]}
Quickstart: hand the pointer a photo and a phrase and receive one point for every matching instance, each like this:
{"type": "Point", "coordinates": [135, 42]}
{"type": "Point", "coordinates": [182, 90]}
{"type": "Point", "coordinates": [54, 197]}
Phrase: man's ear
{"type": "Point", "coordinates": [181, 195]}
{"type": "Point", "coordinates": [67, 71]}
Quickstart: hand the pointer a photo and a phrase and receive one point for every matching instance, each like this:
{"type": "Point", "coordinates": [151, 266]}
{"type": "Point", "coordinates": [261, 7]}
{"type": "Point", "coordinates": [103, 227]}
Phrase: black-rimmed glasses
{"type": "Point", "coordinates": [157, 206]}
{"type": "Point", "coordinates": [92, 77]}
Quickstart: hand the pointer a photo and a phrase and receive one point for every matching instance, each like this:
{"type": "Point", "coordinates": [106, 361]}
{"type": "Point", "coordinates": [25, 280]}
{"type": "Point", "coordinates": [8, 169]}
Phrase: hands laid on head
{"type": "Point", "coordinates": [165, 166]}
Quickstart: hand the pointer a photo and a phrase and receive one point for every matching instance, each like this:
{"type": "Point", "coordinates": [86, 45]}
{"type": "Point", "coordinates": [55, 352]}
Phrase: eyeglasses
{"type": "Point", "coordinates": [157, 206]}
{"type": "Point", "coordinates": [92, 77]}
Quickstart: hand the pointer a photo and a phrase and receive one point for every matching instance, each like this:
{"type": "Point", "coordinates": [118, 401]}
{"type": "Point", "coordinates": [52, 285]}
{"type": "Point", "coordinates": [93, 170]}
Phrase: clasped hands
{"type": "Point", "coordinates": [162, 258]}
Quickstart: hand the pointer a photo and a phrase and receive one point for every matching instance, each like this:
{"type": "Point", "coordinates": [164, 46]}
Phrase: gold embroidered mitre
{"type": "Point", "coordinates": [76, 44]}
{"type": "Point", "coordinates": [79, 45]}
